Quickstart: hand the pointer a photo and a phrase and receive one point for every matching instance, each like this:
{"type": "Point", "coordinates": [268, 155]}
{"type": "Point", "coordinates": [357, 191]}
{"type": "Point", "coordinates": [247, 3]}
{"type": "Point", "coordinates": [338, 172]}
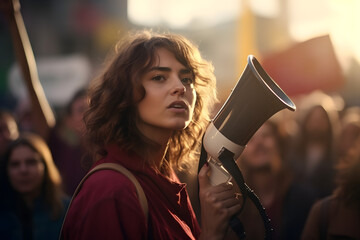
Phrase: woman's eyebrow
{"type": "Point", "coordinates": [186, 71]}
{"type": "Point", "coordinates": [162, 69]}
{"type": "Point", "coordinates": [167, 69]}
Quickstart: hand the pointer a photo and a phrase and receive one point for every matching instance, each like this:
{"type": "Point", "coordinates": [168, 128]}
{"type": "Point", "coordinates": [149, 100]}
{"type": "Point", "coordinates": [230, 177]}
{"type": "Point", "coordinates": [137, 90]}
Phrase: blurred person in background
{"type": "Point", "coordinates": [8, 131]}
{"type": "Point", "coordinates": [350, 130]}
{"type": "Point", "coordinates": [32, 203]}
{"type": "Point", "coordinates": [338, 216]}
{"type": "Point", "coordinates": [66, 143]}
{"type": "Point", "coordinates": [286, 202]}
{"type": "Point", "coordinates": [312, 153]}
{"type": "Point", "coordinates": [63, 137]}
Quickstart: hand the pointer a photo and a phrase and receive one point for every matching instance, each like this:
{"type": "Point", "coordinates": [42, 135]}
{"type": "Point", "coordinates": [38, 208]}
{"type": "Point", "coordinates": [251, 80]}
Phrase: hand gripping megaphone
{"type": "Point", "coordinates": [255, 98]}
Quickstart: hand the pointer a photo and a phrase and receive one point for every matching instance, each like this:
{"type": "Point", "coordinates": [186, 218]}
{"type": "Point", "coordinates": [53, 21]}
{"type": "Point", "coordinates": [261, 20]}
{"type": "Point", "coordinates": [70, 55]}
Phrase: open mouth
{"type": "Point", "coordinates": [178, 105]}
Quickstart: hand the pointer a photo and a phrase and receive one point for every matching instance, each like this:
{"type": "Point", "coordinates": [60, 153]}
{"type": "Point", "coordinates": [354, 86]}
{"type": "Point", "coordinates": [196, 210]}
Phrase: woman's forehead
{"type": "Point", "coordinates": [158, 52]}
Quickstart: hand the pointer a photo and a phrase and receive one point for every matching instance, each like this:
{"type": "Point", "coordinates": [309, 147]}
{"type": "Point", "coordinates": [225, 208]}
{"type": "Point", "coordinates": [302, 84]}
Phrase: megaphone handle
{"type": "Point", "coordinates": [203, 157]}
{"type": "Point", "coordinates": [237, 226]}
{"type": "Point", "coordinates": [226, 157]}
{"type": "Point", "coordinates": [235, 223]}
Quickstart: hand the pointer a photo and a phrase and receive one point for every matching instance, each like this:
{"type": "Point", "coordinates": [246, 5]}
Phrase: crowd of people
{"type": "Point", "coordinates": [39, 173]}
{"type": "Point", "coordinates": [296, 174]}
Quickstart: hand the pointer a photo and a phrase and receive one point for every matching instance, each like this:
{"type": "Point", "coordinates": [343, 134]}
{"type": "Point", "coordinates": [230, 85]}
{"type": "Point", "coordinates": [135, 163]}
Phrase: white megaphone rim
{"type": "Point", "coordinates": [254, 64]}
{"type": "Point", "coordinates": [214, 142]}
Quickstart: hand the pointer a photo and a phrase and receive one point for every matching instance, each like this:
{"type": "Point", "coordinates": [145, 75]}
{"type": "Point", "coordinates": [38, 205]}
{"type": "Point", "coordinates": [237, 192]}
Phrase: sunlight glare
{"type": "Point", "coordinates": [179, 14]}
{"type": "Point", "coordinates": [345, 29]}
{"type": "Point", "coordinates": [308, 18]}
{"type": "Point", "coordinates": [268, 8]}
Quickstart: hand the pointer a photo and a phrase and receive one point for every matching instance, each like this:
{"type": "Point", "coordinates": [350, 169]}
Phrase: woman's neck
{"type": "Point", "coordinates": [158, 156]}
{"type": "Point", "coordinates": [29, 198]}
{"type": "Point", "coordinates": [161, 137]}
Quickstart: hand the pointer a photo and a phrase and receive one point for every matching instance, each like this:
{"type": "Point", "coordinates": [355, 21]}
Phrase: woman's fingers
{"type": "Point", "coordinates": [203, 176]}
{"type": "Point", "coordinates": [230, 202]}
{"type": "Point", "coordinates": [218, 204]}
{"type": "Point", "coordinates": [220, 196]}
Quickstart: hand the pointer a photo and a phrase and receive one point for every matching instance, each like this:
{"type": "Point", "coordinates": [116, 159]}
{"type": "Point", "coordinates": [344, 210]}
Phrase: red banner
{"type": "Point", "coordinates": [305, 67]}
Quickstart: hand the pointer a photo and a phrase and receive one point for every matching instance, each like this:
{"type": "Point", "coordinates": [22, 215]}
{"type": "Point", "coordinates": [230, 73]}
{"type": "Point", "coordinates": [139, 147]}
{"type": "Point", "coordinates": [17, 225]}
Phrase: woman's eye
{"type": "Point", "coordinates": [14, 164]}
{"type": "Point", "coordinates": [32, 162]}
{"type": "Point", "coordinates": [187, 81]}
{"type": "Point", "coordinates": [158, 78]}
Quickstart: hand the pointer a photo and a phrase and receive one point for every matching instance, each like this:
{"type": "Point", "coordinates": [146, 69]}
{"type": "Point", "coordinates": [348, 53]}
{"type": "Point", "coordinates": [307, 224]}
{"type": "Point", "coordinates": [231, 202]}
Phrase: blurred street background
{"type": "Point", "coordinates": [304, 45]}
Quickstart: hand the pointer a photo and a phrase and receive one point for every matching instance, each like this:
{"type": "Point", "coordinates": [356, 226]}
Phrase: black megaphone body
{"type": "Point", "coordinates": [255, 98]}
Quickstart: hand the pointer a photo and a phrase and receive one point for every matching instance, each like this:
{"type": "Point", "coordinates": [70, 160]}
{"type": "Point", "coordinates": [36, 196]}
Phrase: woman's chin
{"type": "Point", "coordinates": [180, 125]}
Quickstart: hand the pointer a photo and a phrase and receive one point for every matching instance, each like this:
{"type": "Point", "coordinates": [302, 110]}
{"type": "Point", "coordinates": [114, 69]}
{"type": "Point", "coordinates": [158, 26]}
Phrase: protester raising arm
{"type": "Point", "coordinates": [43, 116]}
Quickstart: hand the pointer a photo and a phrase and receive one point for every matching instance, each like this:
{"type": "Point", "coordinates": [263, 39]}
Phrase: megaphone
{"type": "Point", "coordinates": [255, 98]}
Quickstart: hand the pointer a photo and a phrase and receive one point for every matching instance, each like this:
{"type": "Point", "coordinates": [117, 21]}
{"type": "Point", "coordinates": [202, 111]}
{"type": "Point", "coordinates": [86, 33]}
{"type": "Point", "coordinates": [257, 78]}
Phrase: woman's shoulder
{"type": "Point", "coordinates": [328, 202]}
{"type": "Point", "coordinates": [108, 183]}
{"type": "Point", "coordinates": [107, 200]}
{"type": "Point", "coordinates": [65, 199]}
{"type": "Point", "coordinates": [105, 197]}
{"type": "Point", "coordinates": [323, 203]}
{"type": "Point", "coordinates": [10, 225]}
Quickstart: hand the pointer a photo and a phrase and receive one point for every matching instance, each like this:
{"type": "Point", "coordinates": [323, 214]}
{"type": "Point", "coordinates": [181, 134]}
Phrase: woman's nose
{"type": "Point", "coordinates": [23, 167]}
{"type": "Point", "coordinates": [178, 87]}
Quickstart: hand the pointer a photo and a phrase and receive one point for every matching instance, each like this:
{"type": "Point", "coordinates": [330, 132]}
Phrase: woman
{"type": "Point", "coordinates": [338, 216]}
{"type": "Point", "coordinates": [32, 202]}
{"type": "Point", "coordinates": [312, 155]}
{"type": "Point", "coordinates": [66, 143]}
{"type": "Point", "coordinates": [266, 172]}
{"type": "Point", "coordinates": [147, 112]}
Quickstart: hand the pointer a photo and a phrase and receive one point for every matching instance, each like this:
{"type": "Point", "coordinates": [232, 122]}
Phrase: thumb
{"type": "Point", "coordinates": [204, 176]}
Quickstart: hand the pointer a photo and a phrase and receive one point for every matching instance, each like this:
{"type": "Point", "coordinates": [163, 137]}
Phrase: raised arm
{"type": "Point", "coordinates": [42, 114]}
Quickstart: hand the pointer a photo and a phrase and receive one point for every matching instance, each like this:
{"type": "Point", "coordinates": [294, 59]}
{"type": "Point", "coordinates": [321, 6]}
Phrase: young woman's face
{"type": "Point", "coordinates": [75, 119]}
{"type": "Point", "coordinates": [170, 95]}
{"type": "Point", "coordinates": [317, 123]}
{"type": "Point", "coordinates": [262, 149]}
{"type": "Point", "coordinates": [25, 170]}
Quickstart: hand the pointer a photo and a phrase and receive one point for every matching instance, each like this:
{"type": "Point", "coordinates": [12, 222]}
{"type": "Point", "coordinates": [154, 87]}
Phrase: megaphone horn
{"type": "Point", "coordinates": [255, 98]}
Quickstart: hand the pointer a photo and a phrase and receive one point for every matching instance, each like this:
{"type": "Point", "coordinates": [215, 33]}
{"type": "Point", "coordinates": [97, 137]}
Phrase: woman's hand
{"type": "Point", "coordinates": [218, 204]}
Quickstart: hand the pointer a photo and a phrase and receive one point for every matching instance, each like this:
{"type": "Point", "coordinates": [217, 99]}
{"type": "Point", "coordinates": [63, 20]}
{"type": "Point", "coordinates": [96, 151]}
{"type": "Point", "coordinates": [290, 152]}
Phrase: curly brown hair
{"type": "Point", "coordinates": [113, 97]}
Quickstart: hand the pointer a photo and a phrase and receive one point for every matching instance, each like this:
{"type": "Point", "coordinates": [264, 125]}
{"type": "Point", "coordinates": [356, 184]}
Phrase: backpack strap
{"type": "Point", "coordinates": [122, 170]}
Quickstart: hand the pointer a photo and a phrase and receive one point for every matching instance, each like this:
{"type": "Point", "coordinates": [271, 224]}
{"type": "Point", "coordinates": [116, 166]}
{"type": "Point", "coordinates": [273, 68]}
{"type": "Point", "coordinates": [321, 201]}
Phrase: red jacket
{"type": "Point", "coordinates": [107, 207]}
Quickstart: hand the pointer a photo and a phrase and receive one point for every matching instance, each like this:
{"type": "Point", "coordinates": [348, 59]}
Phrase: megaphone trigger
{"type": "Point", "coordinates": [218, 174]}
{"type": "Point", "coordinates": [214, 142]}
